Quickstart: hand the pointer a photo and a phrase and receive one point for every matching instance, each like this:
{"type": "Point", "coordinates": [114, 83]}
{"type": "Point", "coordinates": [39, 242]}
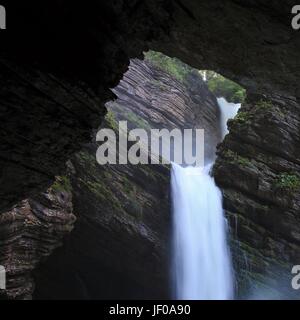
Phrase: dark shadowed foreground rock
{"type": "Point", "coordinates": [120, 247]}
{"type": "Point", "coordinates": [29, 233]}
{"type": "Point", "coordinates": [258, 168]}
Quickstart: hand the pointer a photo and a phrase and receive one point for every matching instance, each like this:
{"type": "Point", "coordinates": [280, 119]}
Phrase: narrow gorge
{"type": "Point", "coordinates": [71, 228]}
{"type": "Point", "coordinates": [129, 206]}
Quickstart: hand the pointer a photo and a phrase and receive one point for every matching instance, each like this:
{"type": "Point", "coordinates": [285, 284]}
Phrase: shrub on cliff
{"type": "Point", "coordinates": [226, 88]}
{"type": "Point", "coordinates": [172, 66]}
{"type": "Point", "coordinates": [288, 181]}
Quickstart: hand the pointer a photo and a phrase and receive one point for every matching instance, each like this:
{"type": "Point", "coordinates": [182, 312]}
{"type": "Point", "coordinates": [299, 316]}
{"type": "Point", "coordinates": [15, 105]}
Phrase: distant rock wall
{"type": "Point", "coordinates": [149, 97]}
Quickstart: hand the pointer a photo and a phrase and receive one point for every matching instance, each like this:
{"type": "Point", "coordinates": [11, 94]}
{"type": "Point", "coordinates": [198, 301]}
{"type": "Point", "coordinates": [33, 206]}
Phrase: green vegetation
{"type": "Point", "coordinates": [127, 185]}
{"type": "Point", "coordinates": [263, 105]}
{"type": "Point", "coordinates": [111, 120]}
{"type": "Point", "coordinates": [222, 87]}
{"type": "Point", "coordinates": [234, 158]}
{"type": "Point", "coordinates": [62, 183]}
{"type": "Point", "coordinates": [136, 120]}
{"type": "Point", "coordinates": [289, 181]}
{"type": "Point", "coordinates": [172, 66]}
{"type": "Point", "coordinates": [242, 117]}
{"type": "Point", "coordinates": [217, 84]}
{"type": "Point", "coordinates": [267, 105]}
{"type": "Point", "coordinates": [116, 193]}
{"type": "Point", "coordinates": [136, 208]}
{"type": "Point", "coordinates": [263, 108]}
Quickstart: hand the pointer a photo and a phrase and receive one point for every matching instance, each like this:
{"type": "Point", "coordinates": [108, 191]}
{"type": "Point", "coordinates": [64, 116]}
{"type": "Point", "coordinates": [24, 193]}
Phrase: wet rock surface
{"type": "Point", "coordinates": [258, 169]}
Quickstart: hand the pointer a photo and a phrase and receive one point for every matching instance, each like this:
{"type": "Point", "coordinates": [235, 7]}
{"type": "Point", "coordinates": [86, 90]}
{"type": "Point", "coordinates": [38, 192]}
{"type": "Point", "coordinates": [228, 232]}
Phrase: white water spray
{"type": "Point", "coordinates": [201, 257]}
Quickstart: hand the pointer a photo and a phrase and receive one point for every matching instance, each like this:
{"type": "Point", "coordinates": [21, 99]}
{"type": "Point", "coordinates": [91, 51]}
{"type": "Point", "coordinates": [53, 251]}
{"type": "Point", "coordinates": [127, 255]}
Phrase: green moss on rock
{"type": "Point", "coordinates": [233, 158]}
{"type": "Point", "coordinates": [172, 66]}
{"type": "Point", "coordinates": [288, 181]}
{"type": "Point", "coordinates": [264, 105]}
{"type": "Point", "coordinates": [242, 117]}
{"type": "Point", "coordinates": [62, 183]}
{"type": "Point", "coordinates": [111, 120]}
{"type": "Point", "coordinates": [136, 120]}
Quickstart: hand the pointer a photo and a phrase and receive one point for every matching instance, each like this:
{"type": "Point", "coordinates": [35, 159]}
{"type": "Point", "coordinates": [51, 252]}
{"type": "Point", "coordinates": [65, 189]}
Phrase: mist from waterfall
{"type": "Point", "coordinates": [202, 267]}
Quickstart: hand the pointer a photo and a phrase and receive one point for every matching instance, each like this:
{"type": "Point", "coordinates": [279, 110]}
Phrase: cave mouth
{"type": "Point", "coordinates": [228, 94]}
{"type": "Point", "coordinates": [162, 93]}
{"type": "Point", "coordinates": [201, 265]}
{"type": "Point", "coordinates": [120, 246]}
{"type": "Point", "coordinates": [60, 95]}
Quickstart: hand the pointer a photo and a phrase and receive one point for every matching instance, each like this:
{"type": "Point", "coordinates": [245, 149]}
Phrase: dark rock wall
{"type": "Point", "coordinates": [59, 59]}
{"type": "Point", "coordinates": [120, 247]}
{"type": "Point", "coordinates": [29, 233]}
{"type": "Point", "coordinates": [43, 119]}
{"type": "Point", "coordinates": [53, 48]}
{"type": "Point", "coordinates": [249, 41]}
{"type": "Point", "coordinates": [258, 169]}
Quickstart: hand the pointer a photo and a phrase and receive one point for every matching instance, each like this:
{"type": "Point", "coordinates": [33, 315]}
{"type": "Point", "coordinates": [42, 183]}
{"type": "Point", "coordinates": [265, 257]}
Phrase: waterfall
{"type": "Point", "coordinates": [228, 111]}
{"type": "Point", "coordinates": [201, 258]}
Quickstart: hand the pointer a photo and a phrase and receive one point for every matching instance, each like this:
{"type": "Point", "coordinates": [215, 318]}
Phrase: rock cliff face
{"type": "Point", "coordinates": [59, 59]}
{"type": "Point", "coordinates": [150, 97]}
{"type": "Point", "coordinates": [29, 234]}
{"type": "Point", "coordinates": [55, 78]}
{"type": "Point", "coordinates": [120, 247]}
{"type": "Point", "coordinates": [258, 168]}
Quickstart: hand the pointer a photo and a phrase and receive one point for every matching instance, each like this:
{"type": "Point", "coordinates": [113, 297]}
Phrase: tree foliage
{"type": "Point", "coordinates": [219, 85]}
{"type": "Point", "coordinates": [172, 66]}
{"type": "Point", "coordinates": [226, 88]}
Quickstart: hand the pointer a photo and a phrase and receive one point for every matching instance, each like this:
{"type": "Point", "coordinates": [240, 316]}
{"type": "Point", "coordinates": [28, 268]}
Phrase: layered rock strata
{"type": "Point", "coordinates": [258, 169]}
{"type": "Point", "coordinates": [29, 233]}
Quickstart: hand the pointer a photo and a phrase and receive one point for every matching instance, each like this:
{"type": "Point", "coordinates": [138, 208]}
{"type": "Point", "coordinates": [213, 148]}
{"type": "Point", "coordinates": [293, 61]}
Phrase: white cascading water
{"type": "Point", "coordinates": [228, 111]}
{"type": "Point", "coordinates": [201, 257]}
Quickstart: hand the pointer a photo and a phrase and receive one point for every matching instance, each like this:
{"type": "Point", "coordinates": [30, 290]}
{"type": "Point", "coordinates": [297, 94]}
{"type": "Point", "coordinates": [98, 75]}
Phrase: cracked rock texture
{"type": "Point", "coordinates": [152, 98]}
{"type": "Point", "coordinates": [29, 233]}
{"type": "Point", "coordinates": [258, 169]}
